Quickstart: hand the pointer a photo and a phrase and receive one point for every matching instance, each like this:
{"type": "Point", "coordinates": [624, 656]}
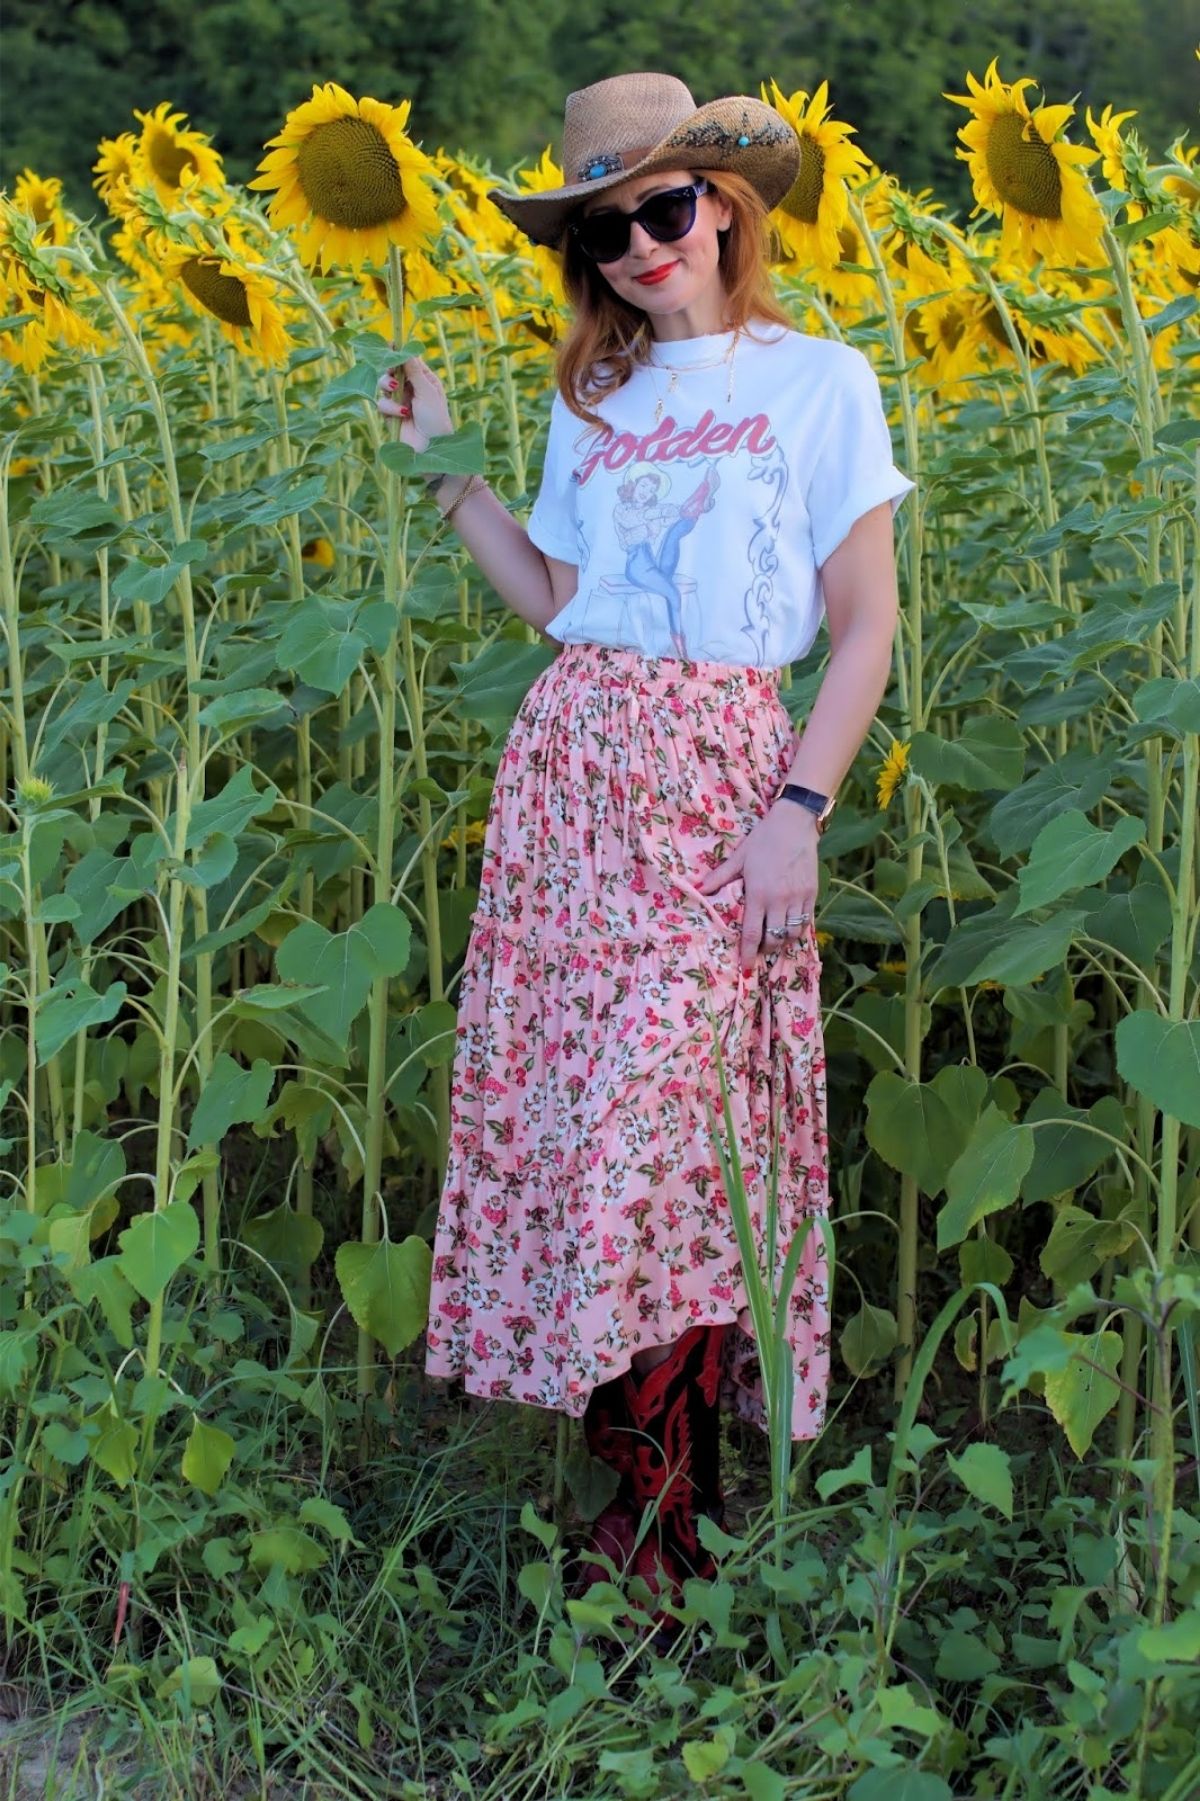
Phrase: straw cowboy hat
{"type": "Point", "coordinates": [632, 124]}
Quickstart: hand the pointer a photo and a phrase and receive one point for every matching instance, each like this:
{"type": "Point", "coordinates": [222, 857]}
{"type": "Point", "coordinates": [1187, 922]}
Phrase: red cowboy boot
{"type": "Point", "coordinates": [677, 1460]}
{"type": "Point", "coordinates": [608, 1431]}
{"type": "Point", "coordinates": [702, 499]}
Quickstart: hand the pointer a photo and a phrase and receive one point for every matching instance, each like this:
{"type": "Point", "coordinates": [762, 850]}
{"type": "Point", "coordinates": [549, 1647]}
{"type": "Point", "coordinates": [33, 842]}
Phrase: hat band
{"type": "Point", "coordinates": [609, 162]}
{"type": "Point", "coordinates": [709, 134]}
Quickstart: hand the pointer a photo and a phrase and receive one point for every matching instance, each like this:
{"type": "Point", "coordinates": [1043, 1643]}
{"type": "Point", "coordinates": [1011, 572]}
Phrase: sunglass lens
{"type": "Point", "coordinates": [667, 217]}
{"type": "Point", "coordinates": [605, 236]}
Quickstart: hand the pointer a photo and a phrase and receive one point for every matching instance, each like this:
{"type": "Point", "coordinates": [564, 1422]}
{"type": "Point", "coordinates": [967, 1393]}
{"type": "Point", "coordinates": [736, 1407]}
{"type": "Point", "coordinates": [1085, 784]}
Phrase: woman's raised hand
{"type": "Point", "coordinates": [412, 393]}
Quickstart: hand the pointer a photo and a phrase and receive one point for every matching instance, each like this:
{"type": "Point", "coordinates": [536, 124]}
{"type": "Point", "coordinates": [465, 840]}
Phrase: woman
{"type": "Point", "coordinates": [650, 865]}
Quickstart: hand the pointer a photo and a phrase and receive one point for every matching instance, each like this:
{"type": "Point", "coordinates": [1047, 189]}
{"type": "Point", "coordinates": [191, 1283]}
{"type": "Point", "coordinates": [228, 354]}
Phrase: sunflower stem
{"type": "Point", "coordinates": [914, 822]}
{"type": "Point", "coordinates": [515, 446]}
{"type": "Point", "coordinates": [194, 765]}
{"type": "Point", "coordinates": [394, 583]}
{"type": "Point", "coordinates": [47, 470]}
{"type": "Point", "coordinates": [304, 786]}
{"type": "Point", "coordinates": [166, 1066]}
{"type": "Point", "coordinates": [1148, 421]}
{"type": "Point", "coordinates": [101, 476]}
{"type": "Point", "coordinates": [1049, 518]}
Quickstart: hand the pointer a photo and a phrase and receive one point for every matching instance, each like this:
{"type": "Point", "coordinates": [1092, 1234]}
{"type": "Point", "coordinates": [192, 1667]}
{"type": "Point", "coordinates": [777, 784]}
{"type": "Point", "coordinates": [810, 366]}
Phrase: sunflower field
{"type": "Point", "coordinates": [254, 697]}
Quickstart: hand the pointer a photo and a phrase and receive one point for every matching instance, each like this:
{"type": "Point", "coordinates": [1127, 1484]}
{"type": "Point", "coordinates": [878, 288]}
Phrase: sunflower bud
{"type": "Point", "coordinates": [34, 791]}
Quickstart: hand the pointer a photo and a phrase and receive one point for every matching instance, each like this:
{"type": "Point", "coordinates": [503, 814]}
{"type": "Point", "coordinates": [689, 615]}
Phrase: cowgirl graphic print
{"type": "Point", "coordinates": [701, 534]}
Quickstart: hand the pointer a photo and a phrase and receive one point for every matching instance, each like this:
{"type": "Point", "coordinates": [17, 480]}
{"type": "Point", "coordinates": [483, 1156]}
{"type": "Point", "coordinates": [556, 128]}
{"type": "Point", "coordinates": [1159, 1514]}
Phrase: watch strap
{"type": "Point", "coordinates": [819, 804]}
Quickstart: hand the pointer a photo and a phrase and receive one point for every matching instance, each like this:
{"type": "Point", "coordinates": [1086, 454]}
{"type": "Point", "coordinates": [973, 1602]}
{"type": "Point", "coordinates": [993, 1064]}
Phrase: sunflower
{"type": "Point", "coordinates": [162, 229]}
{"type": "Point", "coordinates": [41, 197]}
{"type": "Point", "coordinates": [850, 282]}
{"type": "Point", "coordinates": [1106, 136]}
{"type": "Point", "coordinates": [813, 213]}
{"type": "Point", "coordinates": [349, 179]}
{"type": "Point", "coordinates": [477, 217]}
{"type": "Point", "coordinates": [240, 299]}
{"type": "Point", "coordinates": [957, 330]}
{"type": "Point", "coordinates": [1178, 254]}
{"type": "Point", "coordinates": [176, 158]}
{"type": "Point", "coordinates": [891, 772]}
{"type": "Point", "coordinates": [1164, 265]}
{"type": "Point", "coordinates": [1040, 317]}
{"type": "Point", "coordinates": [319, 551]}
{"type": "Point", "coordinates": [118, 165]}
{"type": "Point", "coordinates": [473, 833]}
{"type": "Point", "coordinates": [547, 263]}
{"type": "Point", "coordinates": [1185, 187]}
{"type": "Point", "coordinates": [1021, 170]}
{"type": "Point", "coordinates": [947, 316]}
{"type": "Point", "coordinates": [423, 280]}
{"type": "Point", "coordinates": [30, 283]}
{"type": "Point", "coordinates": [129, 243]}
{"type": "Point", "coordinates": [153, 306]}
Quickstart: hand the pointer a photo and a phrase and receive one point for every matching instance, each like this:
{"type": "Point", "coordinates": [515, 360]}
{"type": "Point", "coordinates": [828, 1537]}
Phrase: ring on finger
{"type": "Point", "coordinates": [782, 931]}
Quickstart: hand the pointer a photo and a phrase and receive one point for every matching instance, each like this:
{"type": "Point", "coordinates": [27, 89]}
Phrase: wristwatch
{"type": "Point", "coordinates": [820, 804]}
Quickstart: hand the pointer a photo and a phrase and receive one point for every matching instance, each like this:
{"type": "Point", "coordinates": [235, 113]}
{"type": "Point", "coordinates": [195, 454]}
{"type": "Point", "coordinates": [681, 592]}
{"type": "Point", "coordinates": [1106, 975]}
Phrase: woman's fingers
{"type": "Point", "coordinates": [390, 398]}
{"type": "Point", "coordinates": [759, 928]}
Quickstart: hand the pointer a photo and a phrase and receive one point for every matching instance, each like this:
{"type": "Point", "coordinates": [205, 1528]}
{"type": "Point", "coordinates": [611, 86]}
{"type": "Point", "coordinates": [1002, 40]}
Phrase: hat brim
{"type": "Point", "coordinates": [736, 133]}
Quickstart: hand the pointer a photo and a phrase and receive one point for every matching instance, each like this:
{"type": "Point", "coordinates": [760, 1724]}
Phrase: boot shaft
{"type": "Point", "coordinates": [675, 1415]}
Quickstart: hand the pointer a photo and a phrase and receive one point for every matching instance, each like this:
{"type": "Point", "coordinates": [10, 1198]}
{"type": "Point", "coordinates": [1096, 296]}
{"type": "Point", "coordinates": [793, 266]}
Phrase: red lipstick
{"type": "Point", "coordinates": [657, 275]}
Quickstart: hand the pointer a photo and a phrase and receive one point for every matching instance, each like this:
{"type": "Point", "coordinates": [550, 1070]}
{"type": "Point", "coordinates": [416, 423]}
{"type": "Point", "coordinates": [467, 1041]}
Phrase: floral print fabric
{"type": "Point", "coordinates": [583, 1215]}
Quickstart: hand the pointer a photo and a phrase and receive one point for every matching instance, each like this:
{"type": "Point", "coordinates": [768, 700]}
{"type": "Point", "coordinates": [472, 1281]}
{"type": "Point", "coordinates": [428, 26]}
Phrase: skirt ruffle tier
{"type": "Point", "coordinates": [583, 1215]}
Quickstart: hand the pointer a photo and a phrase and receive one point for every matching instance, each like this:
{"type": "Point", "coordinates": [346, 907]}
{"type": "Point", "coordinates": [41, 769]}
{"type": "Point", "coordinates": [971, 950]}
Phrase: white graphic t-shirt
{"type": "Point", "coordinates": [701, 533]}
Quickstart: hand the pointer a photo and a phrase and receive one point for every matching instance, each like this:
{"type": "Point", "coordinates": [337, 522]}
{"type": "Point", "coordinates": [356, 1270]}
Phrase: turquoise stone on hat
{"type": "Point", "coordinates": [743, 139]}
{"type": "Point", "coordinates": [596, 170]}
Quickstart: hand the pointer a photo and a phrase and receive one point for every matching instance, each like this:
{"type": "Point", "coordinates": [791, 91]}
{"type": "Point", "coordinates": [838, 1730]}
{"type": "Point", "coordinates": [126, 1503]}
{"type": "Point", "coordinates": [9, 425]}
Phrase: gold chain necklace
{"type": "Point", "coordinates": [712, 362]}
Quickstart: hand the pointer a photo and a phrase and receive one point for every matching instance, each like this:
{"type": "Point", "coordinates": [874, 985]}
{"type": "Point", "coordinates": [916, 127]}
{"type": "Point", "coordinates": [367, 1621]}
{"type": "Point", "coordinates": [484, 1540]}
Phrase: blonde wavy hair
{"type": "Point", "coordinates": [609, 337]}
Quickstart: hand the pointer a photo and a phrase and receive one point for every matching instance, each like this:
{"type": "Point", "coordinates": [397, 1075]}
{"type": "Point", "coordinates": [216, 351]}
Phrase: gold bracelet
{"type": "Point", "coordinates": [462, 495]}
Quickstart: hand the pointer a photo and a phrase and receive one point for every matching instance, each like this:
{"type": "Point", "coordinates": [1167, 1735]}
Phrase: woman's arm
{"type": "Point", "coordinates": [861, 604]}
{"type": "Point", "coordinates": [777, 860]}
{"type": "Point", "coordinates": [534, 585]}
{"type": "Point", "coordinates": [500, 544]}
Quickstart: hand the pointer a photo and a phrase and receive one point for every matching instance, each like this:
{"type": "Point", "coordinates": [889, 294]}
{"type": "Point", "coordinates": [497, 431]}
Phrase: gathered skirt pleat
{"type": "Point", "coordinates": [583, 1215]}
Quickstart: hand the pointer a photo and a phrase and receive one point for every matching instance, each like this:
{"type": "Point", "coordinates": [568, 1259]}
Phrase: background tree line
{"type": "Point", "coordinates": [488, 77]}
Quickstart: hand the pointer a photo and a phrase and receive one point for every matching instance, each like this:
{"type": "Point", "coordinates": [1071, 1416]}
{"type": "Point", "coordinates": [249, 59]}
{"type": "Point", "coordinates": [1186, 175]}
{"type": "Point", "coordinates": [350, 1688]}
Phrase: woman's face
{"type": "Point", "coordinates": [644, 490]}
{"type": "Point", "coordinates": [684, 271]}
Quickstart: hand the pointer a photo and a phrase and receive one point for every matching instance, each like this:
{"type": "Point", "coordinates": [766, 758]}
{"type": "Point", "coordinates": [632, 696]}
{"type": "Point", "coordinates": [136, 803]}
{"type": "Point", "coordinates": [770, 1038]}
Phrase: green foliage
{"type": "Point", "coordinates": [231, 926]}
{"type": "Point", "coordinates": [156, 1245]}
{"type": "Point", "coordinates": [386, 1288]}
{"type": "Point", "coordinates": [992, 1572]}
{"type": "Point", "coordinates": [495, 78]}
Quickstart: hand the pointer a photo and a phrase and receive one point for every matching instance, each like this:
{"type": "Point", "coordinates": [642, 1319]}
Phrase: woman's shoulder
{"type": "Point", "coordinates": [820, 375]}
{"type": "Point", "coordinates": [801, 348]}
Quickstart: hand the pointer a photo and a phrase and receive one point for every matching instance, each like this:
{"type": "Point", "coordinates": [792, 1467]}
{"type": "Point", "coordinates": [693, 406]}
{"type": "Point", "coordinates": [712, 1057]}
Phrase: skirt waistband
{"type": "Point", "coordinates": [616, 665]}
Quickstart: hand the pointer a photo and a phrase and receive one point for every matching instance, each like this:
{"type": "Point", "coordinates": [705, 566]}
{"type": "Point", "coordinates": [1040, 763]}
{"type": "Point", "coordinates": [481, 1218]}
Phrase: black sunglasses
{"type": "Point", "coordinates": [667, 217]}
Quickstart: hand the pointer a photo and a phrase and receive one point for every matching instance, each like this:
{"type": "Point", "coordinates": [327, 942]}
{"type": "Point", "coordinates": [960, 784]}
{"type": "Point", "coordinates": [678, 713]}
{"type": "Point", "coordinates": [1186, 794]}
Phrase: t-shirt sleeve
{"type": "Point", "coordinates": [854, 470]}
{"type": "Point", "coordinates": [552, 521]}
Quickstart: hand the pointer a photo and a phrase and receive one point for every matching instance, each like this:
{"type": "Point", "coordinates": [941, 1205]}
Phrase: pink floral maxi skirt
{"type": "Point", "coordinates": [583, 1214]}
